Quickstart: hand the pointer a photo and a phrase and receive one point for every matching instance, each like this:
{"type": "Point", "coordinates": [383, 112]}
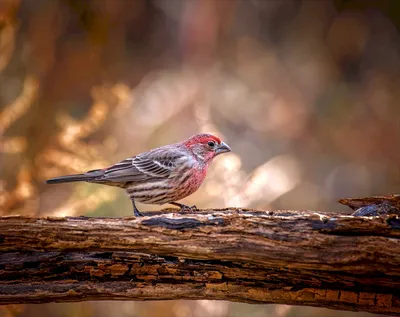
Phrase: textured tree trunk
{"type": "Point", "coordinates": [284, 257]}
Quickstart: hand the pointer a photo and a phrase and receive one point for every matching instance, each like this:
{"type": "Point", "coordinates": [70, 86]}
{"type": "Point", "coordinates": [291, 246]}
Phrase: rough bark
{"type": "Point", "coordinates": [285, 257]}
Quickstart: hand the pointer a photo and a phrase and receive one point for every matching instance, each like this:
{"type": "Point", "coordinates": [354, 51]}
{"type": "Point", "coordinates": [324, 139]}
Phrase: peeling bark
{"type": "Point", "coordinates": [284, 257]}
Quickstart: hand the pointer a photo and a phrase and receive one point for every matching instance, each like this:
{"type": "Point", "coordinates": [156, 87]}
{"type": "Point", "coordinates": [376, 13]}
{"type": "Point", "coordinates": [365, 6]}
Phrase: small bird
{"type": "Point", "coordinates": [160, 176]}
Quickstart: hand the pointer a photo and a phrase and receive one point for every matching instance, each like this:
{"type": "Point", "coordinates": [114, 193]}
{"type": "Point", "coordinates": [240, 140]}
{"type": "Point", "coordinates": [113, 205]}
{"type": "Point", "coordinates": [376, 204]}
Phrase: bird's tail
{"type": "Point", "coordinates": [86, 177]}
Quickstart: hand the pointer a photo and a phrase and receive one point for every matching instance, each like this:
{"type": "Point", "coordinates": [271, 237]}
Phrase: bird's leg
{"type": "Point", "coordinates": [136, 211]}
{"type": "Point", "coordinates": [184, 208]}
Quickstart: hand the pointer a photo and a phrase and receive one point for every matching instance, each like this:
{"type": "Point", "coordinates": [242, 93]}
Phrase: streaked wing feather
{"type": "Point", "coordinates": [123, 165]}
{"type": "Point", "coordinates": [123, 171]}
{"type": "Point", "coordinates": [144, 167]}
{"type": "Point", "coordinates": [153, 167]}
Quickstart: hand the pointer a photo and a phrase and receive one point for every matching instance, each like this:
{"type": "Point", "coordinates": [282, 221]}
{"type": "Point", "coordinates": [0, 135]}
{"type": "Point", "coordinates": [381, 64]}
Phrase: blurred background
{"type": "Point", "coordinates": [305, 92]}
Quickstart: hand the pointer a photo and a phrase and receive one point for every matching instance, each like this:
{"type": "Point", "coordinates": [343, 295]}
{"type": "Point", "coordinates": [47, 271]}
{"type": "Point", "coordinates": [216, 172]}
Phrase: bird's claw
{"type": "Point", "coordinates": [188, 209]}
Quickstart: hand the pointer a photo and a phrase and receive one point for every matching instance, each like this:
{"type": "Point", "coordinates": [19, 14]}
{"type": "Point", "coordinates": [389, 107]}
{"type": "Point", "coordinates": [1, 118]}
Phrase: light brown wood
{"type": "Point", "coordinates": [284, 257]}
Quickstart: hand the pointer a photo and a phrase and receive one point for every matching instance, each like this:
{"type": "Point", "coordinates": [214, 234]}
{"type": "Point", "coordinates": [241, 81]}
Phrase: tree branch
{"type": "Point", "coordinates": [285, 257]}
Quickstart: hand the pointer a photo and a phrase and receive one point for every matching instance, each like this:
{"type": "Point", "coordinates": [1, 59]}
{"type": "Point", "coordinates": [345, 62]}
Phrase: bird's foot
{"type": "Point", "coordinates": [185, 209]}
{"type": "Point", "coordinates": [188, 209]}
{"type": "Point", "coordinates": [137, 213]}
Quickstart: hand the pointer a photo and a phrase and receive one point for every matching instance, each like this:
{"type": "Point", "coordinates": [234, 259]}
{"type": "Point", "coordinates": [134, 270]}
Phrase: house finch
{"type": "Point", "coordinates": [159, 176]}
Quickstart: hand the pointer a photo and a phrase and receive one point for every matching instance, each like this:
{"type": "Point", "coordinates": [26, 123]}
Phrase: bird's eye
{"type": "Point", "coordinates": [211, 143]}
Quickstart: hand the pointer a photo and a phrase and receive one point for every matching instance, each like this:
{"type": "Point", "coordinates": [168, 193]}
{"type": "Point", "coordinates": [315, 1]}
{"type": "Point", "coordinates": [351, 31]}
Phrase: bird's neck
{"type": "Point", "coordinates": [203, 158]}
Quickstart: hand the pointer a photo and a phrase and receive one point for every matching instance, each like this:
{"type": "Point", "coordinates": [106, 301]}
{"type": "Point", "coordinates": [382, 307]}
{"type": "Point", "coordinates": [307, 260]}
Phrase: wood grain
{"type": "Point", "coordinates": [284, 257]}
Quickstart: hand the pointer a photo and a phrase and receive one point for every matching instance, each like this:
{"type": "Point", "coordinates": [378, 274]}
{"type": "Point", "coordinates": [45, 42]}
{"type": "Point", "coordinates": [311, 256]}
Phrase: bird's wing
{"type": "Point", "coordinates": [155, 164]}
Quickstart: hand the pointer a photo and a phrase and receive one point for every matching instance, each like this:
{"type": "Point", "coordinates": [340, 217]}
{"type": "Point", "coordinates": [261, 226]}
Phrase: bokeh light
{"type": "Point", "coordinates": [305, 92]}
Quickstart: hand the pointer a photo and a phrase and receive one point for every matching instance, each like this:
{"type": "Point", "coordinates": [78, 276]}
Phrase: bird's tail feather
{"type": "Point", "coordinates": [89, 176]}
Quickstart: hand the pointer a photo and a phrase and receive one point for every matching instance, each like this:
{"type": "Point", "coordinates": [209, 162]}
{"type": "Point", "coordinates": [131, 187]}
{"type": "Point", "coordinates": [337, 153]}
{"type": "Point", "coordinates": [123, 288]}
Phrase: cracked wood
{"type": "Point", "coordinates": [284, 257]}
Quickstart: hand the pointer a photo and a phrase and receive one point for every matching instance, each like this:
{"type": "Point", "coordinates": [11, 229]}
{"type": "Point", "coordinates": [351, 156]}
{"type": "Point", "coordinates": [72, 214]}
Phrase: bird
{"type": "Point", "coordinates": [163, 175]}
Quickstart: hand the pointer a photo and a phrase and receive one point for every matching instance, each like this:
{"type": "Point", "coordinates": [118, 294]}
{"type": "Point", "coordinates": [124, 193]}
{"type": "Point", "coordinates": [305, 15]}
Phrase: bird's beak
{"type": "Point", "coordinates": [223, 148]}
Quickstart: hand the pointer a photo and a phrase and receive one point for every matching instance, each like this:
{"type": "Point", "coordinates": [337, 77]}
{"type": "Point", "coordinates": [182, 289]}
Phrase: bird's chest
{"type": "Point", "coordinates": [196, 179]}
{"type": "Point", "coordinates": [191, 182]}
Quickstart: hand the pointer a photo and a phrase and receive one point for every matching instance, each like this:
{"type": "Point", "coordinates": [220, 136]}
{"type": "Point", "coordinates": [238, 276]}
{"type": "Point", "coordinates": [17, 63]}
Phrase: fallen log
{"type": "Point", "coordinates": [282, 257]}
